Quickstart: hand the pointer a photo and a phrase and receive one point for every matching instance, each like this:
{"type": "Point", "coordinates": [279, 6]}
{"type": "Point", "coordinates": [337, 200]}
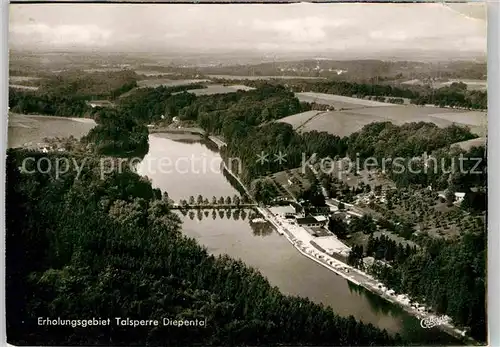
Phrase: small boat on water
{"type": "Point", "coordinates": [258, 220]}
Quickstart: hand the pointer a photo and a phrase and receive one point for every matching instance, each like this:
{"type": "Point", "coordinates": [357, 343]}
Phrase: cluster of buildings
{"type": "Point", "coordinates": [295, 213]}
{"type": "Point", "coordinates": [310, 226]}
{"type": "Point", "coordinates": [314, 220]}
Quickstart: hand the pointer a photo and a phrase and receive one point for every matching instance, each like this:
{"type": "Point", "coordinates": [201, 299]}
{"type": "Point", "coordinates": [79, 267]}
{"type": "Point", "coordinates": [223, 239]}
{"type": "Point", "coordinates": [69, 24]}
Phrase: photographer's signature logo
{"type": "Point", "coordinates": [432, 322]}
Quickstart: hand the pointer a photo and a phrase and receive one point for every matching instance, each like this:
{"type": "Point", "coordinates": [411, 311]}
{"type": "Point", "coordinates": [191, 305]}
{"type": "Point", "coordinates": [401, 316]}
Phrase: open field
{"type": "Point", "coordinates": [154, 83]}
{"type": "Point", "coordinates": [255, 78]}
{"type": "Point", "coordinates": [219, 89]}
{"type": "Point", "coordinates": [29, 130]}
{"type": "Point", "coordinates": [299, 119]}
{"type": "Point", "coordinates": [345, 122]}
{"type": "Point", "coordinates": [339, 101]}
{"type": "Point", "coordinates": [440, 116]}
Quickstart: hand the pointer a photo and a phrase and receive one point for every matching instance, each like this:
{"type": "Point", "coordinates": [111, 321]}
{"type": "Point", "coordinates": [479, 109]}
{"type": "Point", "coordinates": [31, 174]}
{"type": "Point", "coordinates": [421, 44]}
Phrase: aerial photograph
{"type": "Point", "coordinates": [246, 174]}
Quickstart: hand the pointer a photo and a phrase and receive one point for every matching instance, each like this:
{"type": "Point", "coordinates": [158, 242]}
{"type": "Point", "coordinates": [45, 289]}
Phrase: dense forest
{"type": "Point", "coordinates": [92, 247]}
{"type": "Point", "coordinates": [90, 85]}
{"type": "Point", "coordinates": [449, 276]}
{"type": "Point", "coordinates": [454, 95]}
{"type": "Point", "coordinates": [386, 140]}
{"type": "Point", "coordinates": [453, 168]}
{"type": "Point", "coordinates": [420, 154]}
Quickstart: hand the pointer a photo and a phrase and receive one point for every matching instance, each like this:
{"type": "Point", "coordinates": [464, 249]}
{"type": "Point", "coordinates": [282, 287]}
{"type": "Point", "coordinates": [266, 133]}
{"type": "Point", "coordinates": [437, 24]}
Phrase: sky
{"type": "Point", "coordinates": [304, 27]}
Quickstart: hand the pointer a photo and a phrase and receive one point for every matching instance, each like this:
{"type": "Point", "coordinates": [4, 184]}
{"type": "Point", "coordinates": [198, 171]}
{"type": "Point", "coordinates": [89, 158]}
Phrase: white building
{"type": "Point", "coordinates": [459, 197]}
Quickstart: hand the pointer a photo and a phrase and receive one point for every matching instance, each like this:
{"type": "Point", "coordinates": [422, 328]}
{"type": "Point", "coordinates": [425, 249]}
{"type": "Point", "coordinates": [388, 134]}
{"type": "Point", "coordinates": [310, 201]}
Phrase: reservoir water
{"type": "Point", "coordinates": [185, 168]}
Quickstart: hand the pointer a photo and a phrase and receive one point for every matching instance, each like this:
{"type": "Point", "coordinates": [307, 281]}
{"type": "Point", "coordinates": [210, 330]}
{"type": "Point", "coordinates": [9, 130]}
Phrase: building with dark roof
{"type": "Point", "coordinates": [312, 221]}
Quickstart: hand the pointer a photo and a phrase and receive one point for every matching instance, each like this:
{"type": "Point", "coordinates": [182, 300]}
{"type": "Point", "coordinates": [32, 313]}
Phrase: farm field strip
{"type": "Point", "coordinates": [349, 101]}
{"type": "Point", "coordinates": [20, 79]}
{"type": "Point", "coordinates": [310, 119]}
{"type": "Point", "coordinates": [19, 86]}
{"type": "Point", "coordinates": [299, 119]}
{"type": "Point", "coordinates": [347, 121]}
{"type": "Point", "coordinates": [154, 83]}
{"type": "Point", "coordinates": [219, 89]}
{"type": "Point", "coordinates": [475, 118]}
{"type": "Point", "coordinates": [338, 105]}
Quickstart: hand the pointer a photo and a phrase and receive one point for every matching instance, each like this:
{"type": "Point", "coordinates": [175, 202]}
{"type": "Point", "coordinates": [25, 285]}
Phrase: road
{"type": "Point", "coordinates": [211, 206]}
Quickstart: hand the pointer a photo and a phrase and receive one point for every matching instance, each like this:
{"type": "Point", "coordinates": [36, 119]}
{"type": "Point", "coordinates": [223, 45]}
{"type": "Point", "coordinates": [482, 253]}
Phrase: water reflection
{"type": "Point", "coordinates": [259, 226]}
{"type": "Point", "coordinates": [236, 214]}
{"type": "Point", "coordinates": [261, 229]}
{"type": "Point", "coordinates": [165, 160]}
{"type": "Point", "coordinates": [237, 233]}
{"type": "Point", "coordinates": [377, 303]}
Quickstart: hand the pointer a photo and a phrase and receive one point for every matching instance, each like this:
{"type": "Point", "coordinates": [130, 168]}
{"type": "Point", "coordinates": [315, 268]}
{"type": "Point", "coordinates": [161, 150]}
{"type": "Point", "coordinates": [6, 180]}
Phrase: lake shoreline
{"type": "Point", "coordinates": [297, 243]}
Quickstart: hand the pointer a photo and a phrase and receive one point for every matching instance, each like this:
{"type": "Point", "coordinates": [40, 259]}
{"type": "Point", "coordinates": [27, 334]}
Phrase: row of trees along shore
{"type": "Point", "coordinates": [200, 200]}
